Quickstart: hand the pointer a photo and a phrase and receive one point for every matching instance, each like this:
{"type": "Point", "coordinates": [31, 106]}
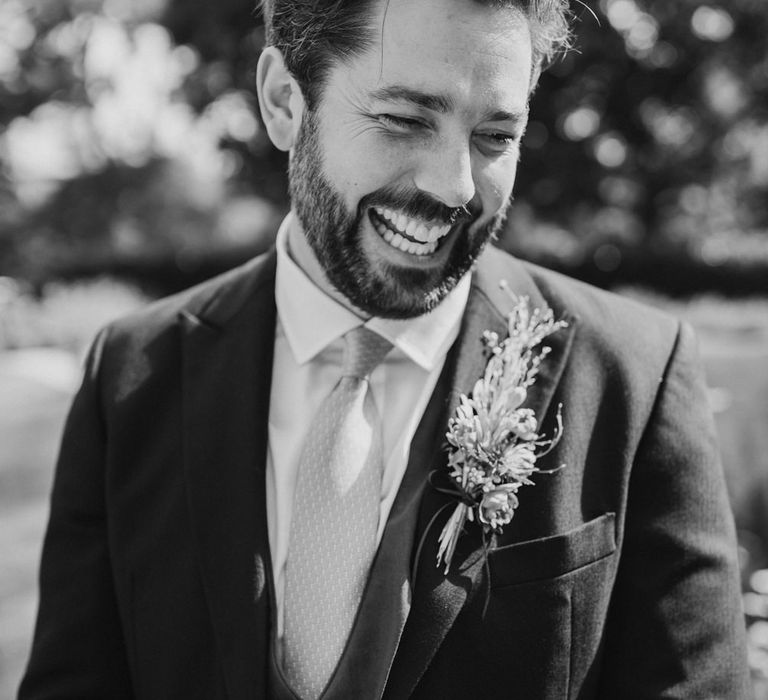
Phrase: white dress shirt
{"type": "Point", "coordinates": [306, 366]}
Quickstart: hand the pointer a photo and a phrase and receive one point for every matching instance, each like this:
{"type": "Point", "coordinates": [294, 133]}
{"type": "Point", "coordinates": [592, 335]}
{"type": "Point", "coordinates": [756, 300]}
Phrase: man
{"type": "Point", "coordinates": [208, 536]}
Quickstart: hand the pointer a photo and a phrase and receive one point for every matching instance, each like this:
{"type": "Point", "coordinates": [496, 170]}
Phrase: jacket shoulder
{"type": "Point", "coordinates": [616, 324]}
{"type": "Point", "coordinates": [213, 301]}
{"type": "Point", "coordinates": [592, 303]}
{"type": "Point", "coordinates": [611, 335]}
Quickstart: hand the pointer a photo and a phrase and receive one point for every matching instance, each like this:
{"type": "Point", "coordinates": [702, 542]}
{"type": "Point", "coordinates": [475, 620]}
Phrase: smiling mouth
{"type": "Point", "coordinates": [410, 235]}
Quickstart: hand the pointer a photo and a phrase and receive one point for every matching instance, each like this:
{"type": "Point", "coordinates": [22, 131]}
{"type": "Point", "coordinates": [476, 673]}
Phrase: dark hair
{"type": "Point", "coordinates": [313, 34]}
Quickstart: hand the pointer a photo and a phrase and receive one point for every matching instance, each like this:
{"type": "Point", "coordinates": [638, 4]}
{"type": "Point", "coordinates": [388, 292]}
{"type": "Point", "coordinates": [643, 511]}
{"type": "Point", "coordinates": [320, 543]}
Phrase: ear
{"type": "Point", "coordinates": [280, 99]}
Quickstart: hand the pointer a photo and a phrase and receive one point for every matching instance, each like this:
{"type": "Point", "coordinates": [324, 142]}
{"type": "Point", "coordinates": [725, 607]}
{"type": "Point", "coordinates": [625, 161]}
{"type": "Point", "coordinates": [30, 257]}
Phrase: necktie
{"type": "Point", "coordinates": [335, 517]}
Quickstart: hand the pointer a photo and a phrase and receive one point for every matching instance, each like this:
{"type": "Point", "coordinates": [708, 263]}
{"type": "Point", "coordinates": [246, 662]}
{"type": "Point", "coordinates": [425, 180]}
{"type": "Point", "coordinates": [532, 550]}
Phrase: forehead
{"type": "Point", "coordinates": [467, 52]}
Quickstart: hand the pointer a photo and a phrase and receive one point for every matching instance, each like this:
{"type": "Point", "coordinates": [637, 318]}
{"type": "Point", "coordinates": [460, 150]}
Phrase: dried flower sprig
{"type": "Point", "coordinates": [493, 440]}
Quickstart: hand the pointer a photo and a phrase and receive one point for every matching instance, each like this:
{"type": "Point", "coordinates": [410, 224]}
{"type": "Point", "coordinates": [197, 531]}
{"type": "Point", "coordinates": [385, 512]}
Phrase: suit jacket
{"type": "Point", "coordinates": [616, 579]}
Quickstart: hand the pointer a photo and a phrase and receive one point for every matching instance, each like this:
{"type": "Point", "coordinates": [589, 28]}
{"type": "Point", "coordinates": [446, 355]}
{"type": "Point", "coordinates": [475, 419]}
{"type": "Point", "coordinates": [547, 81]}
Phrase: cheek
{"type": "Point", "coordinates": [495, 182]}
{"type": "Point", "coordinates": [357, 168]}
{"type": "Point", "coordinates": [345, 170]}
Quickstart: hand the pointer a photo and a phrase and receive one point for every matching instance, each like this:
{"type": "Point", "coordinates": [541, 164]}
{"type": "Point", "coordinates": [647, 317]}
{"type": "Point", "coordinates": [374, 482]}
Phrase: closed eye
{"type": "Point", "coordinates": [498, 137]}
{"type": "Point", "coordinates": [400, 122]}
{"type": "Point", "coordinates": [497, 141]}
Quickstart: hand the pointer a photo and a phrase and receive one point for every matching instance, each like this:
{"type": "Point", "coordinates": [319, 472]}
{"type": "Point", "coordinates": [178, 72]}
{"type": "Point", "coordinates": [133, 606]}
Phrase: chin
{"type": "Point", "coordinates": [389, 290]}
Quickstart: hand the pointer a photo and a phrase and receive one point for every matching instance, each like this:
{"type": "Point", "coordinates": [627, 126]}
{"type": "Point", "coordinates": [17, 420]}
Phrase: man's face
{"type": "Point", "coordinates": [405, 169]}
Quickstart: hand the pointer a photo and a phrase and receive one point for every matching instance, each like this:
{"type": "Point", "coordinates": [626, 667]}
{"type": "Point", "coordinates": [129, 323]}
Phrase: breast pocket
{"type": "Point", "coordinates": [553, 556]}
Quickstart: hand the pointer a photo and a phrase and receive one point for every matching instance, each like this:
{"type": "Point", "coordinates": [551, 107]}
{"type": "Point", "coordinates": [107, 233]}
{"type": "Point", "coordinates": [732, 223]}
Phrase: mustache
{"type": "Point", "coordinates": [418, 205]}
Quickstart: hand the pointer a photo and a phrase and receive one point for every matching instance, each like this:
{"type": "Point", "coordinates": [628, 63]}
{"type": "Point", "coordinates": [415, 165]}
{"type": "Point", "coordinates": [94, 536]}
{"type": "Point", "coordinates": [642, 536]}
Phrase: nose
{"type": "Point", "coordinates": [445, 173]}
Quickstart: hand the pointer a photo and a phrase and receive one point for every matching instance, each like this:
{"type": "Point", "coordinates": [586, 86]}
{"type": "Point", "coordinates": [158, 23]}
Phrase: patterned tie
{"type": "Point", "coordinates": [335, 518]}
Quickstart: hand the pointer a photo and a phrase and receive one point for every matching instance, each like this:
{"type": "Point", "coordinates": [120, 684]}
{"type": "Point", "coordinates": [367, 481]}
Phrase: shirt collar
{"type": "Point", "coordinates": [312, 320]}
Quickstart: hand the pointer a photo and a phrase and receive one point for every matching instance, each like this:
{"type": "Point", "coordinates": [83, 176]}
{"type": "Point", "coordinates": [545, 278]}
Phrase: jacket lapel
{"type": "Point", "coordinates": [438, 598]}
{"type": "Point", "coordinates": [227, 345]}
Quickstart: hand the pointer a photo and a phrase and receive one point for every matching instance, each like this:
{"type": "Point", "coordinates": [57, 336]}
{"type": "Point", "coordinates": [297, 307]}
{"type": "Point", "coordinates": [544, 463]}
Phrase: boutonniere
{"type": "Point", "coordinates": [493, 439]}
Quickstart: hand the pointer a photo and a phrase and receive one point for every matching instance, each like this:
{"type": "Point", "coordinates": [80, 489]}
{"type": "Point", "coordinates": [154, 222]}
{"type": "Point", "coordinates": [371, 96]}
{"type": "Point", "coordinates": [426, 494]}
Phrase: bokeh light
{"type": "Point", "coordinates": [712, 23]}
{"type": "Point", "coordinates": [581, 123]}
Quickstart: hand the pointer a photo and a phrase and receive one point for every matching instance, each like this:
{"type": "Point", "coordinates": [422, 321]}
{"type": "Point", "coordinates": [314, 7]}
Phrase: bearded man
{"type": "Point", "coordinates": [249, 500]}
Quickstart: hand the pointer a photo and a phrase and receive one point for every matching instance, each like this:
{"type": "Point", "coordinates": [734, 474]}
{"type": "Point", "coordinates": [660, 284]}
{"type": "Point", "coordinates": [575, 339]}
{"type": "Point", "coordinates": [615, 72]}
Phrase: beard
{"type": "Point", "coordinates": [334, 234]}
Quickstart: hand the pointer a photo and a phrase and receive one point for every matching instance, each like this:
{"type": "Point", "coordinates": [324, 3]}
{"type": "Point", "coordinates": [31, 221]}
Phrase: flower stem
{"type": "Point", "coordinates": [449, 537]}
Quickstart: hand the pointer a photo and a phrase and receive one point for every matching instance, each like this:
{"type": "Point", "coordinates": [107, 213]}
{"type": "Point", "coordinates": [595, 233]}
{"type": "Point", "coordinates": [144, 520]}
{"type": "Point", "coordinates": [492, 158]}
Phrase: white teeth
{"type": "Point", "coordinates": [427, 236]}
{"type": "Point", "coordinates": [386, 214]}
{"type": "Point", "coordinates": [437, 232]}
{"type": "Point", "coordinates": [413, 228]}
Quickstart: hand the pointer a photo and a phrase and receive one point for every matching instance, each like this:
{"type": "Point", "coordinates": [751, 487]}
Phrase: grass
{"type": "Point", "coordinates": [31, 418]}
{"type": "Point", "coordinates": [65, 316]}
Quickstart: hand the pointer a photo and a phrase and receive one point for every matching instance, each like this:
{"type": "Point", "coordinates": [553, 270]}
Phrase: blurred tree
{"type": "Point", "coordinates": [131, 148]}
{"type": "Point", "coordinates": [129, 131]}
{"type": "Point", "coordinates": [651, 139]}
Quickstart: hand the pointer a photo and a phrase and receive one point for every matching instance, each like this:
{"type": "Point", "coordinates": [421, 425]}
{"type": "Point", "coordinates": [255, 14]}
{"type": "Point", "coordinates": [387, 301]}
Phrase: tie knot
{"type": "Point", "coordinates": [363, 352]}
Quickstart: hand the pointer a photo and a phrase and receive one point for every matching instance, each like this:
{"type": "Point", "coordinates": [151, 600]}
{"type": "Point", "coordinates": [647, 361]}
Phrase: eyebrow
{"type": "Point", "coordinates": [435, 103]}
{"type": "Point", "coordinates": [438, 103]}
